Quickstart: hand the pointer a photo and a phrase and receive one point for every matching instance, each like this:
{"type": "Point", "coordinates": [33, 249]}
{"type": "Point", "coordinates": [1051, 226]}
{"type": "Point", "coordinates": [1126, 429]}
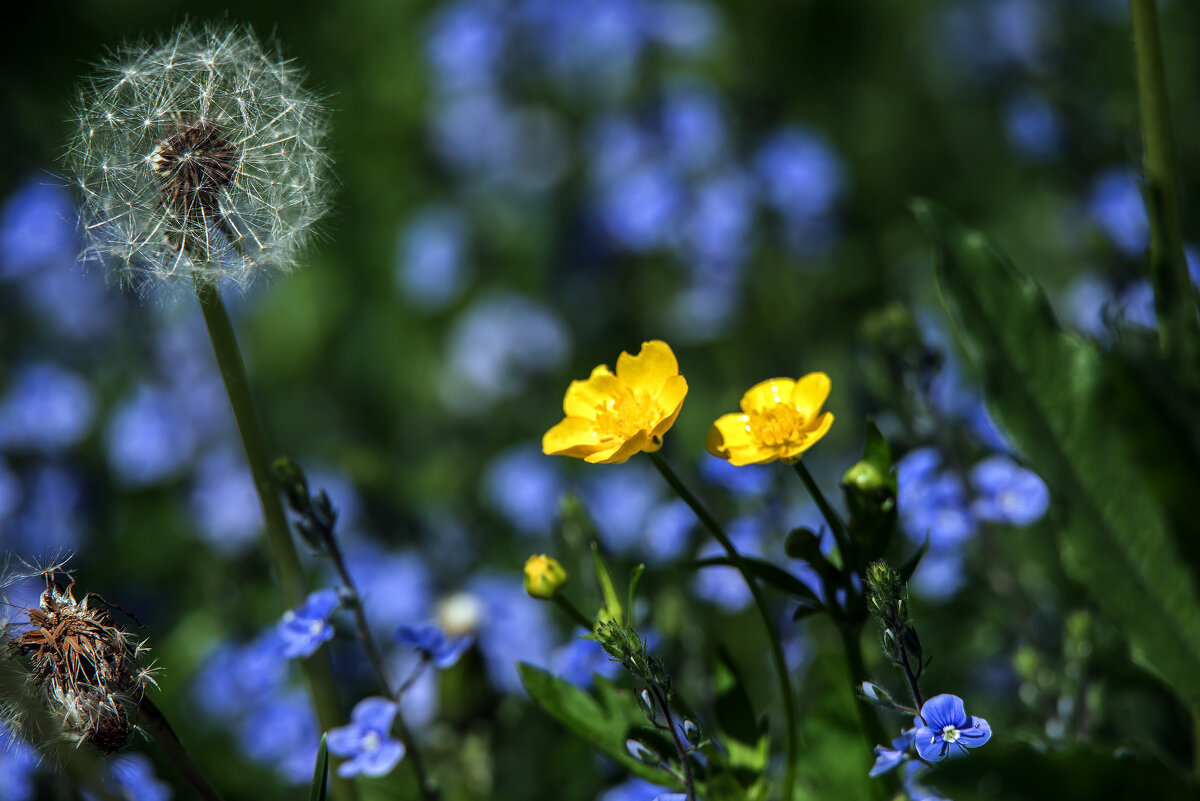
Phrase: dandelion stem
{"type": "Point", "coordinates": [317, 669]}
{"type": "Point", "coordinates": [158, 726]}
{"type": "Point", "coordinates": [1174, 301]}
{"type": "Point", "coordinates": [785, 682]}
{"type": "Point", "coordinates": [427, 790]}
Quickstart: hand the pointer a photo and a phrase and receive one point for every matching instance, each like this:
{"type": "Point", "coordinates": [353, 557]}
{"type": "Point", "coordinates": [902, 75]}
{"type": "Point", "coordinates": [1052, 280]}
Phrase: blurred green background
{"type": "Point", "coordinates": [525, 189]}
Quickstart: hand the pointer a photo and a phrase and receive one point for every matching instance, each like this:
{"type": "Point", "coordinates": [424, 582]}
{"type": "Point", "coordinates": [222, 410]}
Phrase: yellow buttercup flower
{"type": "Point", "coordinates": [780, 419]}
{"type": "Point", "coordinates": [544, 577]}
{"type": "Point", "coordinates": [610, 417]}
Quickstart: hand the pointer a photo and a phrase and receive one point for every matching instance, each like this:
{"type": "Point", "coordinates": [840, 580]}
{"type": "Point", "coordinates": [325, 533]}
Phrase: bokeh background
{"type": "Point", "coordinates": [526, 188]}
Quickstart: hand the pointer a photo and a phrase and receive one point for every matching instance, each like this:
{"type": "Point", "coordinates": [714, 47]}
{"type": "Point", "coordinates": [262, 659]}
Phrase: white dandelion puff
{"type": "Point", "coordinates": [199, 158]}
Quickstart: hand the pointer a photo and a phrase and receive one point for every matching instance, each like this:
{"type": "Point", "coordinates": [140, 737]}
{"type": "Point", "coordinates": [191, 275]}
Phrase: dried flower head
{"type": "Point", "coordinates": [198, 157]}
{"type": "Point", "coordinates": [85, 667]}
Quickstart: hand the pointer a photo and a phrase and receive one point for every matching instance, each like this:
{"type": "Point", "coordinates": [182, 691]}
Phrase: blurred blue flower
{"type": "Point", "coordinates": [1088, 300]}
{"type": "Point", "coordinates": [17, 764]}
{"type": "Point", "coordinates": [591, 47]}
{"type": "Point", "coordinates": [985, 429]}
{"type": "Point", "coordinates": [1017, 29]}
{"type": "Point", "coordinates": [133, 778]}
{"type": "Point", "coordinates": [1033, 126]}
{"type": "Point", "coordinates": [419, 704]}
{"type": "Point", "coordinates": [431, 256]}
{"type": "Point", "coordinates": [457, 122]}
{"type": "Point", "coordinates": [579, 659]}
{"type": "Point", "coordinates": [688, 27]}
{"type": "Point", "coordinates": [945, 729]}
{"type": "Point", "coordinates": [147, 439]}
{"type": "Point", "coordinates": [888, 758]}
{"type": "Point", "coordinates": [306, 627]}
{"type": "Point", "coordinates": [497, 343]}
{"type": "Point", "coordinates": [640, 208]}
{"type": "Point", "coordinates": [525, 487]}
{"type": "Point", "coordinates": [632, 789]}
{"type": "Point", "coordinates": [433, 644]}
{"type": "Point", "coordinates": [617, 145]}
{"type": "Point", "coordinates": [913, 771]}
{"type": "Point", "coordinates": [1136, 305]}
{"type": "Point", "coordinates": [51, 519]}
{"type": "Point", "coordinates": [667, 532]}
{"type": "Point", "coordinates": [941, 574]}
{"type": "Point", "coordinates": [281, 731]}
{"type": "Point", "coordinates": [724, 586]}
{"type": "Point", "coordinates": [234, 678]}
{"type": "Point", "coordinates": [718, 224]}
{"type": "Point", "coordinates": [990, 37]}
{"type": "Point", "coordinates": [1008, 493]}
{"type": "Point", "coordinates": [513, 628]}
{"type": "Point", "coordinates": [693, 126]}
{"type": "Point", "coordinates": [185, 360]}
{"type": "Point", "coordinates": [225, 503]}
{"type": "Point", "coordinates": [46, 409]}
{"type": "Point", "coordinates": [366, 740]}
{"type": "Point", "coordinates": [465, 44]}
{"type": "Point", "coordinates": [1116, 205]}
{"type": "Point", "coordinates": [751, 481]}
{"type": "Point", "coordinates": [932, 501]}
{"type": "Point", "coordinates": [801, 174]}
{"type": "Point", "coordinates": [37, 228]}
{"type": "Point", "coordinates": [395, 587]}
{"type": "Point", "coordinates": [619, 500]}
{"type": "Point", "coordinates": [703, 310]}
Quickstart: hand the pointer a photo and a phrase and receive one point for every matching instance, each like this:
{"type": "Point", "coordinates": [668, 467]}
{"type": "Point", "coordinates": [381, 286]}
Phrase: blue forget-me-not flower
{"type": "Point", "coordinates": [366, 741]}
{"type": "Point", "coordinates": [433, 643]}
{"type": "Point", "coordinates": [304, 629]}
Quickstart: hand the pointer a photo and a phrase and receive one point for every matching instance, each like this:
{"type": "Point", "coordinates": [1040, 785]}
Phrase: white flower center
{"type": "Point", "coordinates": [950, 734]}
{"type": "Point", "coordinates": [371, 741]}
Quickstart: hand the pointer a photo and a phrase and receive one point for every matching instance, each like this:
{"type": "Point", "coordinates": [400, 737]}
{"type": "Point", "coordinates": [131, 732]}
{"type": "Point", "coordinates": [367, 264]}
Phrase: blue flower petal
{"type": "Point", "coordinates": [885, 760]}
{"type": "Point", "coordinates": [930, 746]}
{"type": "Point", "coordinates": [319, 604]}
{"type": "Point", "coordinates": [978, 733]}
{"type": "Point", "coordinates": [942, 711]}
{"type": "Point", "coordinates": [447, 655]}
{"type": "Point", "coordinates": [374, 713]}
{"type": "Point", "coordinates": [343, 741]}
{"type": "Point", "coordinates": [380, 761]}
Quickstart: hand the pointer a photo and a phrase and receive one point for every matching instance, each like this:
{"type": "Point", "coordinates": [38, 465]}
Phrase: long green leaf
{"type": "Point", "coordinates": [320, 773]}
{"type": "Point", "coordinates": [777, 577]}
{"type": "Point", "coordinates": [1052, 393]}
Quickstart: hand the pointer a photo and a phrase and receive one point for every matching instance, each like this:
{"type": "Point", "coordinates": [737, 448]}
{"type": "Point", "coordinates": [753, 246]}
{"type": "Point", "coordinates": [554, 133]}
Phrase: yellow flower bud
{"type": "Point", "coordinates": [544, 577]}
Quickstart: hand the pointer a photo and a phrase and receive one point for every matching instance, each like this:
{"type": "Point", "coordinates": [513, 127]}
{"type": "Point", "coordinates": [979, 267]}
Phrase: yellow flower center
{"type": "Point", "coordinates": [627, 412]}
{"type": "Point", "coordinates": [780, 425]}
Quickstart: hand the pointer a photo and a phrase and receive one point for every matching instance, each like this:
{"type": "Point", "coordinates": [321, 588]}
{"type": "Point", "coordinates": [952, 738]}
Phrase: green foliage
{"type": "Point", "coordinates": [605, 721]}
{"type": "Point", "coordinates": [1074, 774]}
{"type": "Point", "coordinates": [1053, 394]}
{"type": "Point", "coordinates": [320, 772]}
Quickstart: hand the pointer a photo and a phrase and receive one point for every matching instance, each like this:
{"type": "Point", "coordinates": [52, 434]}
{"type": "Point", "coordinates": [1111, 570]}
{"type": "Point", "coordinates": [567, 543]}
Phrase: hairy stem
{"type": "Point", "coordinates": [689, 783]}
{"type": "Point", "coordinates": [160, 729]}
{"type": "Point", "coordinates": [427, 790]}
{"type": "Point", "coordinates": [1174, 299]}
{"type": "Point", "coordinates": [791, 729]}
{"type": "Point", "coordinates": [317, 669]}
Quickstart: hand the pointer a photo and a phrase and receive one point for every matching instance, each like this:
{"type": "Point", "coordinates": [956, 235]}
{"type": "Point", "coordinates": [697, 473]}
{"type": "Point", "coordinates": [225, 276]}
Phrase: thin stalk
{"type": "Point", "coordinates": [160, 729]}
{"type": "Point", "coordinates": [427, 790]}
{"type": "Point", "coordinates": [852, 645]}
{"type": "Point", "coordinates": [317, 669]}
{"type": "Point", "coordinates": [845, 546]}
{"type": "Point", "coordinates": [572, 611]}
{"type": "Point", "coordinates": [1174, 300]}
{"type": "Point", "coordinates": [689, 783]}
{"type": "Point", "coordinates": [785, 682]}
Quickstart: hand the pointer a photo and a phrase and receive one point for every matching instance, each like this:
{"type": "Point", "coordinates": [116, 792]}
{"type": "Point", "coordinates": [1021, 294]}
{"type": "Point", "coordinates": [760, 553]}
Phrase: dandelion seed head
{"type": "Point", "coordinates": [198, 157]}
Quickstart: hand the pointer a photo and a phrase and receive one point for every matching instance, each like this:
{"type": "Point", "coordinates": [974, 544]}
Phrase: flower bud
{"type": "Point", "coordinates": [639, 750]}
{"type": "Point", "coordinates": [691, 731]}
{"type": "Point", "coordinates": [544, 577]}
{"type": "Point", "coordinates": [864, 477]}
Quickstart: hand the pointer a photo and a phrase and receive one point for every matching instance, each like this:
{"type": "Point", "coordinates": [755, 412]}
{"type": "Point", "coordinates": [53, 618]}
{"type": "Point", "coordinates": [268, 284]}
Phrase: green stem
{"type": "Point", "coordinates": [791, 727]}
{"type": "Point", "coordinates": [1174, 301]}
{"type": "Point", "coordinates": [317, 669]}
{"type": "Point", "coordinates": [852, 644]}
{"type": "Point", "coordinates": [572, 611]}
{"type": "Point", "coordinates": [160, 728]}
{"type": "Point", "coordinates": [845, 547]}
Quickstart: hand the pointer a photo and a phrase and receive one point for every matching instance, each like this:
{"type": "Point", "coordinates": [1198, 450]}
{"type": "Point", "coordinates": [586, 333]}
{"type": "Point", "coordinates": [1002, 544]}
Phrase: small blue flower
{"type": "Point", "coordinates": [394, 587]}
{"type": "Point", "coordinates": [641, 208]}
{"type": "Point", "coordinates": [620, 500]}
{"type": "Point", "coordinates": [524, 487]}
{"type": "Point", "coordinates": [888, 758]}
{"type": "Point", "coordinates": [1008, 493]}
{"type": "Point", "coordinates": [18, 762]}
{"type": "Point", "coordinates": [36, 229]}
{"type": "Point", "coordinates": [46, 409]}
{"type": "Point", "coordinates": [304, 629]}
{"type": "Point", "coordinates": [431, 256]}
{"type": "Point", "coordinates": [225, 503]}
{"type": "Point", "coordinates": [913, 771]}
{"type": "Point", "coordinates": [281, 731]}
{"type": "Point", "coordinates": [366, 742]}
{"type": "Point", "coordinates": [148, 438]}
{"type": "Point", "coordinates": [1033, 126]}
{"type": "Point", "coordinates": [465, 45]}
{"type": "Point", "coordinates": [433, 643]}
{"type": "Point", "coordinates": [668, 531]}
{"type": "Point", "coordinates": [633, 789]}
{"type": "Point", "coordinates": [580, 659]}
{"type": "Point", "coordinates": [233, 678]}
{"type": "Point", "coordinates": [135, 780]}
{"type": "Point", "coordinates": [801, 173]}
{"type": "Point", "coordinates": [932, 501]}
{"type": "Point", "coordinates": [724, 586]}
{"type": "Point", "coordinates": [1136, 305]}
{"type": "Point", "coordinates": [750, 481]}
{"type": "Point", "coordinates": [945, 729]}
{"type": "Point", "coordinates": [693, 127]}
{"type": "Point", "coordinates": [513, 628]}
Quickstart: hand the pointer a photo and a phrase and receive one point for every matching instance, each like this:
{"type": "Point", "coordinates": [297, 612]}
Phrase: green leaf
{"type": "Point", "coordinates": [910, 566]}
{"type": "Point", "coordinates": [777, 577]}
{"type": "Point", "coordinates": [635, 575]}
{"type": "Point", "coordinates": [612, 603]}
{"type": "Point", "coordinates": [1052, 394]}
{"type": "Point", "coordinates": [745, 740]}
{"type": "Point", "coordinates": [877, 452]}
{"type": "Point", "coordinates": [1023, 773]}
{"type": "Point", "coordinates": [320, 773]}
{"type": "Point", "coordinates": [605, 722]}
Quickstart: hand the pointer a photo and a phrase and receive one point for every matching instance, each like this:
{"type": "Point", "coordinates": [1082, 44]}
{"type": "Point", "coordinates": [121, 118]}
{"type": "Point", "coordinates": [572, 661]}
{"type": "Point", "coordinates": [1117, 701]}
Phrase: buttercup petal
{"type": "Point", "coordinates": [652, 366]}
{"type": "Point", "coordinates": [670, 402]}
{"type": "Point", "coordinates": [618, 451]}
{"type": "Point", "coordinates": [730, 435]}
{"type": "Point", "coordinates": [766, 394]}
{"type": "Point", "coordinates": [809, 393]}
{"type": "Point", "coordinates": [583, 398]}
{"type": "Point", "coordinates": [810, 438]}
{"type": "Point", "coordinates": [573, 436]}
